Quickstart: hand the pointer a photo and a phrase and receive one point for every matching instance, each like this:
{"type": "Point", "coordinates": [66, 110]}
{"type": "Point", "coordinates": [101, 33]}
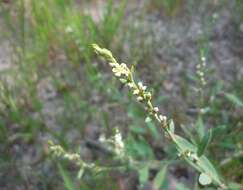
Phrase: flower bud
{"type": "Point", "coordinates": [139, 98]}
{"type": "Point", "coordinates": [130, 85]}
{"type": "Point", "coordinates": [136, 92]}
{"type": "Point", "coordinates": [156, 109]}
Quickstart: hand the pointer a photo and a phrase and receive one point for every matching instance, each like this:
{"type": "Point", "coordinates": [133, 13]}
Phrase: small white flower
{"type": "Point", "coordinates": [123, 65]}
{"type": "Point", "coordinates": [117, 74]}
{"type": "Point", "coordinates": [119, 144]}
{"type": "Point", "coordinates": [203, 59]}
{"type": "Point", "coordinates": [126, 70]}
{"type": "Point", "coordinates": [144, 88]}
{"type": "Point", "coordinates": [140, 84]}
{"type": "Point", "coordinates": [130, 85]}
{"type": "Point", "coordinates": [188, 153]}
{"type": "Point", "coordinates": [156, 109]}
{"type": "Point", "coordinates": [102, 138]}
{"type": "Point", "coordinates": [118, 137]}
{"type": "Point", "coordinates": [136, 92]}
{"type": "Point", "coordinates": [119, 70]}
{"type": "Point", "coordinates": [139, 98]}
{"type": "Point", "coordinates": [162, 118]}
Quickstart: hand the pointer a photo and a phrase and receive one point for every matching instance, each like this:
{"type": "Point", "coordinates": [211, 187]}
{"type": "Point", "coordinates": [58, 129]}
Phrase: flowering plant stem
{"type": "Point", "coordinates": [185, 149]}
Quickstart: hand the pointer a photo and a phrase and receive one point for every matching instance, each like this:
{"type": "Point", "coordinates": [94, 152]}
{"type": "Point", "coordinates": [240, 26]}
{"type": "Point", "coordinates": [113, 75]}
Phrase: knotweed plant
{"type": "Point", "coordinates": [192, 153]}
{"type": "Point", "coordinates": [186, 150]}
{"type": "Point", "coordinates": [113, 145]}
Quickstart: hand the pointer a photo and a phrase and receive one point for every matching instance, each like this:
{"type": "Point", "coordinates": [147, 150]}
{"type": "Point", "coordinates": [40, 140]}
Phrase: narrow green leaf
{"type": "Point", "coordinates": [204, 143]}
{"type": "Point", "coordinates": [137, 129]}
{"type": "Point", "coordinates": [234, 99]}
{"type": "Point", "coordinates": [204, 179]}
{"type": "Point", "coordinates": [160, 177]}
{"type": "Point", "coordinates": [152, 128]}
{"type": "Point", "coordinates": [183, 144]}
{"type": "Point", "coordinates": [188, 132]}
{"type": "Point", "coordinates": [172, 126]}
{"type": "Point", "coordinates": [200, 127]}
{"type": "Point", "coordinates": [80, 173]}
{"type": "Point", "coordinates": [66, 178]}
{"type": "Point", "coordinates": [143, 174]}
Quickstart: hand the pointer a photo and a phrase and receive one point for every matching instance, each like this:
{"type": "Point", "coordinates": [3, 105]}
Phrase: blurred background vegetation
{"type": "Point", "coordinates": [53, 87]}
